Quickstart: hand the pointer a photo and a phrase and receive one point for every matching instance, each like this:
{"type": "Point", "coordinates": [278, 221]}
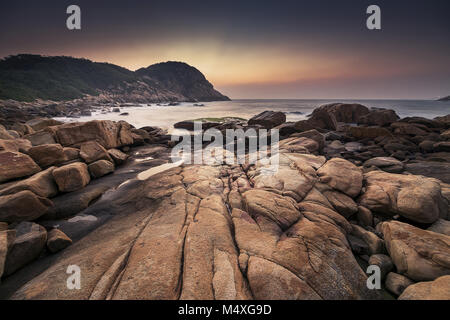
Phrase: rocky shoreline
{"type": "Point", "coordinates": [355, 187]}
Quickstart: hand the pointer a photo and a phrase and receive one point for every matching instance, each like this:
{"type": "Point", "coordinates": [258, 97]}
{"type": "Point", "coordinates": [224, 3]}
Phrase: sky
{"type": "Point", "coordinates": [253, 49]}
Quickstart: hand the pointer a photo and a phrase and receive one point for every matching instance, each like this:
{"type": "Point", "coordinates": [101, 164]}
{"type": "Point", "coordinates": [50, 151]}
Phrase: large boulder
{"type": "Point", "coordinates": [23, 206]}
{"type": "Point", "coordinates": [387, 164]}
{"type": "Point", "coordinates": [268, 119]}
{"type": "Point", "coordinates": [414, 197]}
{"type": "Point", "coordinates": [437, 170]}
{"type": "Point", "coordinates": [108, 133]}
{"type": "Point", "coordinates": [16, 145]}
{"type": "Point", "coordinates": [41, 184]}
{"type": "Point", "coordinates": [92, 151]}
{"type": "Point", "coordinates": [397, 283]}
{"type": "Point", "coordinates": [42, 123]}
{"type": "Point", "coordinates": [29, 243]}
{"type": "Point", "coordinates": [342, 175]}
{"type": "Point", "coordinates": [72, 177]}
{"type": "Point", "coordinates": [100, 168]}
{"type": "Point", "coordinates": [312, 134]}
{"type": "Point", "coordinates": [118, 156]}
{"type": "Point", "coordinates": [345, 112]}
{"type": "Point", "coordinates": [418, 254]}
{"type": "Point", "coordinates": [41, 137]}
{"type": "Point", "coordinates": [16, 165]}
{"type": "Point", "coordinates": [369, 132]}
{"type": "Point", "coordinates": [7, 238]}
{"type": "Point", "coordinates": [379, 117]}
{"type": "Point", "coordinates": [438, 289]}
{"type": "Point", "coordinates": [57, 240]}
{"type": "Point", "coordinates": [48, 155]}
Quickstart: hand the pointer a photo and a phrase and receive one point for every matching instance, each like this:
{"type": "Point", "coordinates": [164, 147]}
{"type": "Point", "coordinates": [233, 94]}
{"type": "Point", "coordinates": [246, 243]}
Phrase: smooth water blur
{"type": "Point", "coordinates": [166, 116]}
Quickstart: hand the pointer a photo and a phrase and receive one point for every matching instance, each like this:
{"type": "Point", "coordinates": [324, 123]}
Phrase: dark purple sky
{"type": "Point", "coordinates": [253, 49]}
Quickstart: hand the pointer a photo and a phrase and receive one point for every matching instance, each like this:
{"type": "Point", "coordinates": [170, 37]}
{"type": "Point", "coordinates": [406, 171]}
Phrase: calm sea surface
{"type": "Point", "coordinates": [166, 116]}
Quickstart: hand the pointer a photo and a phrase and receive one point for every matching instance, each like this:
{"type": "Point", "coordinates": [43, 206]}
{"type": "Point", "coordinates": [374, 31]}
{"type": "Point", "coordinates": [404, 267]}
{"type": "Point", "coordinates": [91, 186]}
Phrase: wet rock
{"type": "Point", "coordinates": [72, 177]}
{"type": "Point", "coordinates": [190, 125]}
{"type": "Point", "coordinates": [441, 226]}
{"type": "Point", "coordinates": [443, 146]}
{"type": "Point", "coordinates": [41, 184]}
{"type": "Point", "coordinates": [92, 151]}
{"type": "Point", "coordinates": [16, 165]}
{"type": "Point", "coordinates": [341, 175]}
{"type": "Point", "coordinates": [418, 254]}
{"type": "Point", "coordinates": [29, 243]}
{"type": "Point", "coordinates": [57, 240]}
{"type": "Point", "coordinates": [397, 283]}
{"type": "Point", "coordinates": [268, 119]}
{"type": "Point", "coordinates": [413, 197]}
{"type": "Point", "coordinates": [23, 206]}
{"type": "Point", "coordinates": [118, 156]}
{"type": "Point", "coordinates": [387, 164]}
{"type": "Point", "coordinates": [100, 168]}
{"type": "Point", "coordinates": [47, 155]}
{"type": "Point", "coordinates": [431, 290]}
{"type": "Point", "coordinates": [286, 129]}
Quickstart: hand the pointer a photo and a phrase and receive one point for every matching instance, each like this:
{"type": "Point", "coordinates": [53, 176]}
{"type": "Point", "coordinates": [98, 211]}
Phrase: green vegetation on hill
{"type": "Point", "coordinates": [27, 77]}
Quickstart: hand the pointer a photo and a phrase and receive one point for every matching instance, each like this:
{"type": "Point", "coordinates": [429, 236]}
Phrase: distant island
{"type": "Point", "coordinates": [447, 98]}
{"type": "Point", "coordinates": [28, 77]}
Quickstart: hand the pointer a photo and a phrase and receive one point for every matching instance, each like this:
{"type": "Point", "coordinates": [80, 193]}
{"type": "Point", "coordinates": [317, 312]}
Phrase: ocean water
{"type": "Point", "coordinates": [166, 116]}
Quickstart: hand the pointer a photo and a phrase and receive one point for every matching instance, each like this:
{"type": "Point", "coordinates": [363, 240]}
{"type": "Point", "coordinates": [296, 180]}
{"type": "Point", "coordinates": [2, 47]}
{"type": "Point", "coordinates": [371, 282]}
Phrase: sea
{"type": "Point", "coordinates": [165, 116]}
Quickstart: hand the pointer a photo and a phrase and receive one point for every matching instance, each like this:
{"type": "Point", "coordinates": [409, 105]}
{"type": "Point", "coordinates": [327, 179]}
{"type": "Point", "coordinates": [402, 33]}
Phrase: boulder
{"type": "Point", "coordinates": [397, 283]}
{"type": "Point", "coordinates": [4, 134]}
{"type": "Point", "coordinates": [7, 238]}
{"type": "Point", "coordinates": [369, 132]}
{"type": "Point", "coordinates": [41, 184]}
{"type": "Point", "coordinates": [23, 206]}
{"type": "Point", "coordinates": [432, 169]}
{"type": "Point", "coordinates": [341, 175]}
{"type": "Point", "coordinates": [16, 145]}
{"type": "Point", "coordinates": [100, 168]}
{"type": "Point", "coordinates": [418, 254]}
{"type": "Point", "coordinates": [47, 155]}
{"type": "Point", "coordinates": [107, 133]}
{"type": "Point", "coordinates": [190, 125]}
{"type": "Point", "coordinates": [414, 197]}
{"type": "Point", "coordinates": [22, 129]}
{"type": "Point", "coordinates": [29, 243]}
{"type": "Point", "coordinates": [57, 240]}
{"type": "Point", "coordinates": [286, 128]}
{"type": "Point", "coordinates": [72, 177]}
{"type": "Point", "coordinates": [374, 243]}
{"type": "Point", "coordinates": [383, 261]}
{"type": "Point", "coordinates": [42, 123]}
{"type": "Point", "coordinates": [16, 165]}
{"type": "Point", "coordinates": [387, 164]}
{"type": "Point", "coordinates": [41, 137]}
{"type": "Point", "coordinates": [443, 146]}
{"type": "Point", "coordinates": [313, 135]}
{"type": "Point", "coordinates": [268, 119]}
{"type": "Point", "coordinates": [71, 153]}
{"type": "Point", "coordinates": [408, 129]}
{"type": "Point", "coordinates": [379, 117]}
{"type": "Point", "coordinates": [431, 290]}
{"type": "Point", "coordinates": [92, 151]}
{"type": "Point", "coordinates": [300, 145]}
{"type": "Point", "coordinates": [322, 119]}
{"type": "Point", "coordinates": [342, 203]}
{"type": "Point", "coordinates": [365, 217]}
{"type": "Point", "coordinates": [441, 226]}
{"type": "Point", "coordinates": [345, 112]}
{"type": "Point", "coordinates": [118, 156]}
